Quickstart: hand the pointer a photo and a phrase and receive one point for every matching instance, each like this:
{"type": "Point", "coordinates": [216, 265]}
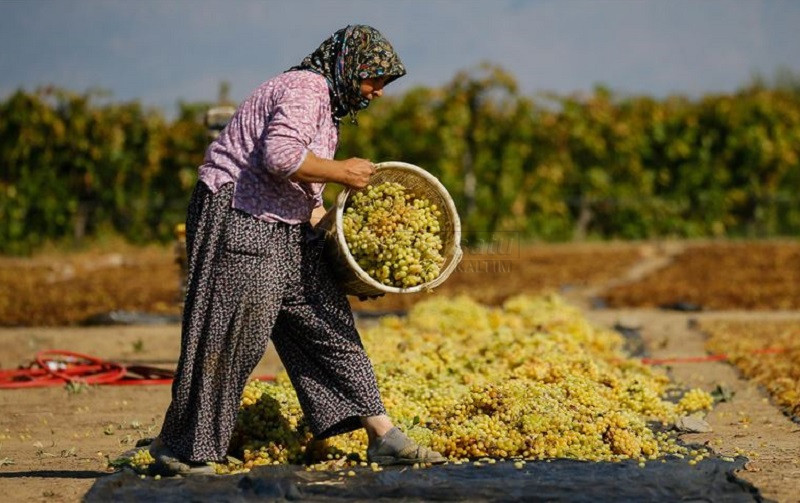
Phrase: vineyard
{"type": "Point", "coordinates": [547, 167]}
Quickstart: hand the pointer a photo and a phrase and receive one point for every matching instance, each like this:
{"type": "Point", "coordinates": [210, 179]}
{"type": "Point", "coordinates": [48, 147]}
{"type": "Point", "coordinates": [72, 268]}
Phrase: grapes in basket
{"type": "Point", "coordinates": [393, 235]}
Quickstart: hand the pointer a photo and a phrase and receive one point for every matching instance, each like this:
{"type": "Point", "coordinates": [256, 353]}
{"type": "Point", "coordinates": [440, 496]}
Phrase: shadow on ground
{"type": "Point", "coordinates": [54, 474]}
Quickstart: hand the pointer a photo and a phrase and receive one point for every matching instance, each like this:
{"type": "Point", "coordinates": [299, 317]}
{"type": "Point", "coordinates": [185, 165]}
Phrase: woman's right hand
{"type": "Point", "coordinates": [356, 172]}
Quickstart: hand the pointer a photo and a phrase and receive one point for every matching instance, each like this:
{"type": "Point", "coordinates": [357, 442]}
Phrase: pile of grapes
{"type": "Point", "coordinates": [529, 380]}
{"type": "Point", "coordinates": [766, 351]}
{"type": "Point", "coordinates": [394, 235]}
{"type": "Point", "coordinates": [735, 275]}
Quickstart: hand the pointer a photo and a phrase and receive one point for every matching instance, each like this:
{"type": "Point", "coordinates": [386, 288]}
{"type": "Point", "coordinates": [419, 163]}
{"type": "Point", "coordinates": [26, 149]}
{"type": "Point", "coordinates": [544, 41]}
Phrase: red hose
{"type": "Point", "coordinates": [58, 367]}
{"type": "Point", "coordinates": [70, 366]}
{"type": "Point", "coordinates": [707, 358]}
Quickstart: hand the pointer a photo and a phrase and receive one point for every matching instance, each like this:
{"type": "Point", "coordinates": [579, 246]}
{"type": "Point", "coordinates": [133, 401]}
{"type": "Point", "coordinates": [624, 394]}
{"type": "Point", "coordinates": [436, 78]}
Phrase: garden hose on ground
{"type": "Point", "coordinates": [59, 367]}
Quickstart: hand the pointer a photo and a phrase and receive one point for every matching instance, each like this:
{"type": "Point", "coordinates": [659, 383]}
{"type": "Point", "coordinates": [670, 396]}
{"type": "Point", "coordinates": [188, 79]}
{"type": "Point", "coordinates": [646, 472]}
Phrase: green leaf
{"type": "Point", "coordinates": [722, 394]}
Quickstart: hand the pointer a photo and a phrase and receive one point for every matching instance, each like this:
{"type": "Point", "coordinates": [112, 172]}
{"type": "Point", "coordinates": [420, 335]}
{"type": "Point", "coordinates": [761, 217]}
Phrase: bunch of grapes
{"type": "Point", "coordinates": [530, 380]}
{"type": "Point", "coordinates": [394, 235]}
{"type": "Point", "coordinates": [141, 460]}
{"type": "Point", "coordinates": [270, 428]}
{"type": "Point", "coordinates": [696, 400]}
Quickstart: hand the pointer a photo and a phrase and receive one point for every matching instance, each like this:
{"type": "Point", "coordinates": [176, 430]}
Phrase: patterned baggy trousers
{"type": "Point", "coordinates": [250, 281]}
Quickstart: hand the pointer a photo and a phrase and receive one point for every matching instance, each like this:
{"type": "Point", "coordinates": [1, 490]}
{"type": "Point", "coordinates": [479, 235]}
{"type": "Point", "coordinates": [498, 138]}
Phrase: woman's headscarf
{"type": "Point", "coordinates": [351, 54]}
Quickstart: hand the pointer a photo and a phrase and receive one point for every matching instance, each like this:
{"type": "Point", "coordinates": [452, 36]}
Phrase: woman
{"type": "Point", "coordinates": [254, 265]}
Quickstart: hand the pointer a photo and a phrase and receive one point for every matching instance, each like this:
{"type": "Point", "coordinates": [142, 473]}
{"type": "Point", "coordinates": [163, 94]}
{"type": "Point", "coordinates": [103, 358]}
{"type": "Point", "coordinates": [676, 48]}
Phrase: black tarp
{"type": "Point", "coordinates": [711, 479]}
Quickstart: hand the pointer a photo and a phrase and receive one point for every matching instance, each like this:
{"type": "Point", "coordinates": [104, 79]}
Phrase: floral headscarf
{"type": "Point", "coordinates": [351, 54]}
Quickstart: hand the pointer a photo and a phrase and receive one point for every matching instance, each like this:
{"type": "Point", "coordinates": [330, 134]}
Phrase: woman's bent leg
{"type": "Point", "coordinates": [317, 341]}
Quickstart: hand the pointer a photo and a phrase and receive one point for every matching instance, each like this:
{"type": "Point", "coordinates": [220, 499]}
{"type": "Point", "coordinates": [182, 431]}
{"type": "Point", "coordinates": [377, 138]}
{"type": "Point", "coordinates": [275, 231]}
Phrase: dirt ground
{"type": "Point", "coordinates": [54, 443]}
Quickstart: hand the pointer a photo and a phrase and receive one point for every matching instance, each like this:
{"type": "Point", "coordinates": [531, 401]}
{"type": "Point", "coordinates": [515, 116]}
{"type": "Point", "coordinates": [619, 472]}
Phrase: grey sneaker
{"type": "Point", "coordinates": [168, 464]}
{"type": "Point", "coordinates": [395, 448]}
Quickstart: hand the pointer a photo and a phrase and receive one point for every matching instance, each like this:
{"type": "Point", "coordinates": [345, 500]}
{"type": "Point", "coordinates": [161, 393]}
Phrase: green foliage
{"type": "Point", "coordinates": [72, 168]}
{"type": "Point", "coordinates": [549, 167]}
{"type": "Point", "coordinates": [563, 167]}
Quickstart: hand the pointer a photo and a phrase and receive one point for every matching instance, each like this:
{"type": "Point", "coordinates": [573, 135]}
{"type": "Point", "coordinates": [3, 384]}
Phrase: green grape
{"type": "Point", "coordinates": [532, 379]}
{"type": "Point", "coordinates": [141, 460]}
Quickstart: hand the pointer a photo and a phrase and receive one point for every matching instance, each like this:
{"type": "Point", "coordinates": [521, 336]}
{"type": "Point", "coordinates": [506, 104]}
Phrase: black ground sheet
{"type": "Point", "coordinates": [558, 480]}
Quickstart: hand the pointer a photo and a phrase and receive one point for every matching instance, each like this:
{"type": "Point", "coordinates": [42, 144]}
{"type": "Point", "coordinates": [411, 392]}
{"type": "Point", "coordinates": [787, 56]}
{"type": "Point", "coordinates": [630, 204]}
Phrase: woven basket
{"type": "Point", "coordinates": [355, 280]}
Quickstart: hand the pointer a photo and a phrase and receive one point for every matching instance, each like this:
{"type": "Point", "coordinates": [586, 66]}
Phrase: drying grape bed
{"type": "Point", "coordinates": [745, 275]}
{"type": "Point", "coordinates": [523, 398]}
{"type": "Point", "coordinates": [55, 290]}
{"type": "Point", "coordinates": [529, 380]}
{"type": "Point", "coordinates": [766, 351]}
{"type": "Point", "coordinates": [66, 289]}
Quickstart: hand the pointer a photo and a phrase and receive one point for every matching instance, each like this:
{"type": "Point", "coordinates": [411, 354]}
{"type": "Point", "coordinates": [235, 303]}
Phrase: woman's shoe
{"type": "Point", "coordinates": [168, 464]}
{"type": "Point", "coordinates": [395, 448]}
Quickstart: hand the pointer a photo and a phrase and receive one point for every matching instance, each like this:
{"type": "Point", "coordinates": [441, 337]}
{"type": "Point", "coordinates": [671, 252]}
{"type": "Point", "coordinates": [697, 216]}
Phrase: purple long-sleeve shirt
{"type": "Point", "coordinates": [267, 140]}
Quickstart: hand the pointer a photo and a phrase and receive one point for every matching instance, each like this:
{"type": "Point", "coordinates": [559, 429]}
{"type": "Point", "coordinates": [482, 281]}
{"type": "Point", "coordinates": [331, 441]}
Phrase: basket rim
{"type": "Point", "coordinates": [341, 200]}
